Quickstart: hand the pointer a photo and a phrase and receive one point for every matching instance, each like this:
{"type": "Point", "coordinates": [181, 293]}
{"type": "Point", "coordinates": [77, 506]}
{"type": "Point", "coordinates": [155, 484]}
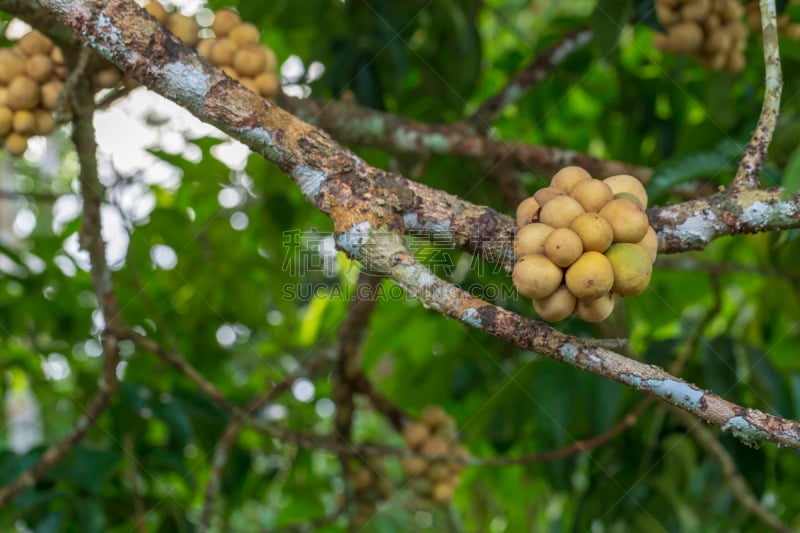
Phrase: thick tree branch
{"type": "Point", "coordinates": [529, 77]}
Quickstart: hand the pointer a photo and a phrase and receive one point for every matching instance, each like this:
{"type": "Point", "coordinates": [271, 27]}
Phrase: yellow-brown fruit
{"type": "Point", "coordinates": [249, 61]}
{"type": "Point", "coordinates": [715, 61]}
{"type": "Point", "coordinates": [270, 59]}
{"type": "Point", "coordinates": [16, 144]}
{"type": "Point", "coordinates": [230, 71]}
{"type": "Point", "coordinates": [718, 41]}
{"type": "Point", "coordinates": [12, 65]}
{"type": "Point", "coordinates": [736, 62]}
{"type": "Point", "coordinates": [268, 84]}
{"type": "Point", "coordinates": [3, 96]}
{"type": "Point", "coordinates": [566, 178]}
{"type": "Point", "coordinates": [684, 37]}
{"type": "Point", "coordinates": [627, 219]}
{"type": "Point", "coordinates": [6, 117]}
{"type": "Point", "coordinates": [557, 306]}
{"type": "Point", "coordinates": [696, 10]}
{"type": "Point", "coordinates": [560, 211]}
{"type": "Point", "coordinates": [158, 11]}
{"type": "Point", "coordinates": [434, 417]}
{"type": "Point", "coordinates": [650, 244]}
{"type": "Point", "coordinates": [632, 268]}
{"type": "Point", "coordinates": [530, 239]}
{"type": "Point", "coordinates": [592, 194]}
{"type": "Point", "coordinates": [45, 123]}
{"type": "Point", "coordinates": [563, 247]}
{"type": "Point", "coordinates": [24, 122]}
{"type": "Point", "coordinates": [590, 276]}
{"type": "Point", "coordinates": [204, 47]}
{"type": "Point", "coordinates": [415, 433]}
{"type": "Point", "coordinates": [107, 78]}
{"type": "Point", "coordinates": [244, 33]}
{"type": "Point", "coordinates": [50, 92]}
{"type": "Point", "coordinates": [39, 67]}
{"type": "Point", "coordinates": [362, 478]}
{"type": "Point", "coordinates": [595, 310]}
{"type": "Point", "coordinates": [535, 276]}
{"type": "Point", "coordinates": [545, 194]}
{"type": "Point", "coordinates": [438, 472]}
{"type": "Point", "coordinates": [434, 446]}
{"type": "Point", "coordinates": [222, 52]}
{"type": "Point", "coordinates": [35, 42]}
{"type": "Point", "coordinates": [224, 21]}
{"type": "Point", "coordinates": [666, 15]}
{"type": "Point", "coordinates": [712, 22]}
{"type": "Point", "coordinates": [23, 93]}
{"type": "Point", "coordinates": [629, 196]}
{"type": "Point", "coordinates": [629, 184]}
{"type": "Point", "coordinates": [185, 28]}
{"type": "Point", "coordinates": [527, 211]}
{"type": "Point", "coordinates": [442, 492]}
{"type": "Point", "coordinates": [251, 84]}
{"type": "Point", "coordinates": [414, 466]}
{"type": "Point", "coordinates": [57, 56]}
{"type": "Point", "coordinates": [594, 231]}
{"type": "Point", "coordinates": [792, 31]}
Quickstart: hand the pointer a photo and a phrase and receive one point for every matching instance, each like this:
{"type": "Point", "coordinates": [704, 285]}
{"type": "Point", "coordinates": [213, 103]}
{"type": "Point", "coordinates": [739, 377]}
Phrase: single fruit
{"type": "Point", "coordinates": [650, 243]}
{"type": "Point", "coordinates": [736, 62]}
{"type": "Point", "coordinates": [718, 41]}
{"type": "Point", "coordinates": [563, 247]}
{"type": "Point", "coordinates": [230, 71]}
{"type": "Point", "coordinates": [249, 61]}
{"type": "Point", "coordinates": [557, 306]}
{"type": "Point", "coordinates": [250, 83]}
{"type": "Point", "coordinates": [433, 416]}
{"type": "Point", "coordinates": [627, 220]}
{"type": "Point", "coordinates": [415, 433]}
{"type": "Point", "coordinates": [530, 239]}
{"type": "Point", "coordinates": [434, 446]}
{"type": "Point", "coordinates": [362, 478]}
{"type": "Point", "coordinates": [39, 67]}
{"type": "Point", "coordinates": [270, 59]}
{"type": "Point", "coordinates": [6, 118]}
{"type": "Point", "coordinates": [224, 21]}
{"type": "Point", "coordinates": [566, 178]}
{"type": "Point", "coordinates": [590, 276]}
{"type": "Point", "coordinates": [592, 194]}
{"type": "Point", "coordinates": [222, 52]}
{"type": "Point", "coordinates": [23, 93]}
{"type": "Point", "coordinates": [12, 65]}
{"type": "Point", "coordinates": [414, 466]}
{"type": "Point", "coordinates": [545, 194]}
{"type": "Point", "coordinates": [442, 492]}
{"type": "Point", "coordinates": [16, 144]}
{"type": "Point", "coordinates": [24, 122]}
{"type": "Point", "coordinates": [594, 231]}
{"type": "Point", "coordinates": [158, 11]}
{"type": "Point", "coordinates": [244, 33]}
{"type": "Point", "coordinates": [632, 268]}
{"type": "Point", "coordinates": [45, 123]}
{"type": "Point", "coordinates": [625, 183]}
{"type": "Point", "coordinates": [204, 47]}
{"type": "Point", "coordinates": [57, 56]}
{"type": "Point", "coordinates": [629, 196]}
{"type": "Point", "coordinates": [107, 78]}
{"type": "Point", "coordinates": [438, 472]}
{"type": "Point", "coordinates": [50, 92]}
{"type": "Point", "coordinates": [535, 276]}
{"type": "Point", "coordinates": [34, 42]}
{"type": "Point", "coordinates": [185, 28]}
{"type": "Point", "coordinates": [666, 15]}
{"type": "Point", "coordinates": [697, 10]}
{"type": "Point", "coordinates": [595, 310]}
{"type": "Point", "coordinates": [685, 36]}
{"type": "Point", "coordinates": [560, 212]}
{"type": "Point", "coordinates": [268, 84]}
{"type": "Point", "coordinates": [527, 211]}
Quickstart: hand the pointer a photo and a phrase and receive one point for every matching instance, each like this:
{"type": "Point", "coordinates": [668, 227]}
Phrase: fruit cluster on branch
{"type": "Point", "coordinates": [581, 241]}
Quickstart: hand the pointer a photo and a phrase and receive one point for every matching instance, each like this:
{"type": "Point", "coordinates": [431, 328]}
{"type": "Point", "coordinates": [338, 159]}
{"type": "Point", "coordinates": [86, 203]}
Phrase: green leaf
{"type": "Point", "coordinates": [791, 174]}
{"type": "Point", "coordinates": [681, 169]}
{"type": "Point", "coordinates": [608, 20]}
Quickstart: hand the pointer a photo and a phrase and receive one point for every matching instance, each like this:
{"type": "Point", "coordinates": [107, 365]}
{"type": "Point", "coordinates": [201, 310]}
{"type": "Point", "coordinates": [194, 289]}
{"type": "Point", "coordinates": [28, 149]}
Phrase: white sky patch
{"type": "Point", "coordinates": [239, 221]}
{"type": "Point", "coordinates": [226, 336]}
{"type": "Point", "coordinates": [233, 154]}
{"type": "Point", "coordinates": [325, 408]}
{"type": "Point", "coordinates": [303, 390]}
{"type": "Point", "coordinates": [65, 209]}
{"type": "Point", "coordinates": [24, 223]}
{"type": "Point", "coordinates": [55, 367]}
{"type": "Point", "coordinates": [293, 69]}
{"type": "Point", "coordinates": [163, 257]}
{"type": "Point", "coordinates": [230, 197]}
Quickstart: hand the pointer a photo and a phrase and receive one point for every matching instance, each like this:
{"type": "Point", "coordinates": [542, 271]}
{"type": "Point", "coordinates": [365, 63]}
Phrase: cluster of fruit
{"type": "Point", "coordinates": [370, 487]}
{"type": "Point", "coordinates": [712, 30]}
{"type": "Point", "coordinates": [32, 77]}
{"type": "Point", "coordinates": [435, 475]}
{"type": "Point", "coordinates": [786, 26]}
{"type": "Point", "coordinates": [582, 240]}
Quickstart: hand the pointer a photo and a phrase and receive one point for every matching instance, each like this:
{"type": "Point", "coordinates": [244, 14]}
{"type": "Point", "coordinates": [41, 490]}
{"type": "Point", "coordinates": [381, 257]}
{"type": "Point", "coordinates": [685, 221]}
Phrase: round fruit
{"type": "Point", "coordinates": [270, 59]}
{"type": "Point", "coordinates": [23, 93]}
{"type": "Point", "coordinates": [249, 60]}
{"type": "Point", "coordinates": [560, 212]}
{"type": "Point", "coordinates": [45, 123]}
{"type": "Point", "coordinates": [535, 276]}
{"type": "Point", "coordinates": [224, 21]}
{"type": "Point", "coordinates": [594, 231]}
{"type": "Point", "coordinates": [530, 239]}
{"type": "Point", "coordinates": [415, 433]}
{"type": "Point", "coordinates": [231, 72]}
{"type": "Point", "coordinates": [16, 144]}
{"type": "Point", "coordinates": [438, 472]}
{"type": "Point", "coordinates": [414, 466]}
{"type": "Point", "coordinates": [268, 84]}
{"type": "Point", "coordinates": [107, 78]}
{"type": "Point", "coordinates": [185, 28]}
{"type": "Point", "coordinates": [158, 11]}
{"type": "Point", "coordinates": [6, 117]}
{"type": "Point", "coordinates": [12, 65]}
{"type": "Point", "coordinates": [557, 306]}
{"type": "Point", "coordinates": [244, 33]}
{"type": "Point", "coordinates": [632, 268]}
{"type": "Point", "coordinates": [650, 243]}
{"type": "Point", "coordinates": [545, 194]}
{"type": "Point", "coordinates": [250, 83]}
{"type": "Point", "coordinates": [39, 67]}
{"type": "Point", "coordinates": [718, 41]}
{"type": "Point", "coordinates": [685, 36]}
{"type": "Point", "coordinates": [595, 310]}
{"type": "Point", "coordinates": [527, 211]}
{"type": "Point", "coordinates": [736, 62]}
{"type": "Point", "coordinates": [625, 183]}
{"type": "Point", "coordinates": [590, 276]}
{"type": "Point", "coordinates": [3, 96]}
{"type": "Point", "coordinates": [434, 446]}
{"type": "Point", "coordinates": [362, 478]}
{"type": "Point", "coordinates": [592, 194]}
{"type": "Point", "coordinates": [629, 196]}
{"type": "Point", "coordinates": [697, 10]}
{"type": "Point", "coordinates": [222, 52]}
{"type": "Point", "coordinates": [442, 492]}
{"type": "Point", "coordinates": [204, 47]}
{"type": "Point", "coordinates": [566, 178]}
{"type": "Point", "coordinates": [24, 122]}
{"type": "Point", "coordinates": [50, 92]}
{"type": "Point", "coordinates": [627, 220]}
{"type": "Point", "coordinates": [34, 42]}
{"type": "Point", "coordinates": [434, 416]}
{"type": "Point", "coordinates": [563, 247]}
